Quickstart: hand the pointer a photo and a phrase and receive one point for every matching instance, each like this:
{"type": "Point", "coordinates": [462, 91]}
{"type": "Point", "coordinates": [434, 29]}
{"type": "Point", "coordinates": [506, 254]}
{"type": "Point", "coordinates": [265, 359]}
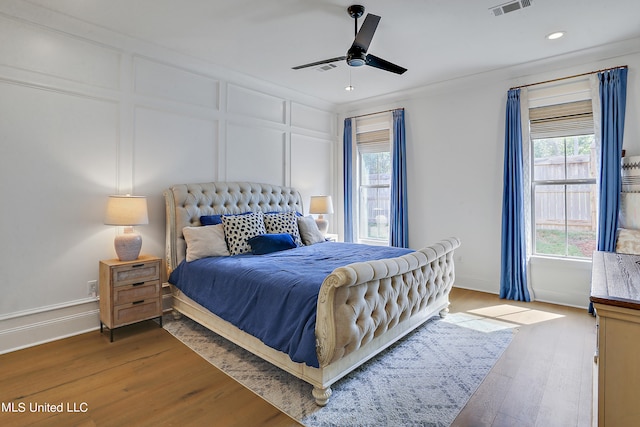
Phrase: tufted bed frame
{"type": "Point", "coordinates": [362, 308]}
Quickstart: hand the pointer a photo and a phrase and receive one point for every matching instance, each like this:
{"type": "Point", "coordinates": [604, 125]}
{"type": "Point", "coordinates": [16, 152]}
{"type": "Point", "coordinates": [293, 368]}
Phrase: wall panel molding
{"type": "Point", "coordinates": [306, 117]}
{"type": "Point", "coordinates": [35, 48]}
{"type": "Point", "coordinates": [243, 101]}
{"type": "Point", "coordinates": [166, 81]}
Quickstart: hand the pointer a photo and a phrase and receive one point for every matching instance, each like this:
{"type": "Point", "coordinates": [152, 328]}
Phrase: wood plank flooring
{"type": "Point", "coordinates": [147, 377]}
{"type": "Point", "coordinates": [543, 379]}
{"type": "Point", "coordinates": [144, 378]}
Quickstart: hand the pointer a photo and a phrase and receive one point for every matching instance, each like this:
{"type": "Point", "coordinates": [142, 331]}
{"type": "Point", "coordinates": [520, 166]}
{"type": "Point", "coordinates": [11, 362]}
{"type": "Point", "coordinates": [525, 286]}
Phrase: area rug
{"type": "Point", "coordinates": [425, 379]}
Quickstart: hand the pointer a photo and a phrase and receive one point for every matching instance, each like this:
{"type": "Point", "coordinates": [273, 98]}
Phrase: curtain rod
{"type": "Point", "coordinates": [568, 77]}
{"type": "Point", "coordinates": [373, 114]}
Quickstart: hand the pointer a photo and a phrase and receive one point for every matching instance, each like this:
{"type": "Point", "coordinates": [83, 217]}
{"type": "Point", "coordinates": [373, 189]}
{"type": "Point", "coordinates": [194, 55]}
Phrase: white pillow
{"type": "Point", "coordinates": [205, 242]}
{"type": "Point", "coordinates": [238, 229]}
{"type": "Point", "coordinates": [309, 231]}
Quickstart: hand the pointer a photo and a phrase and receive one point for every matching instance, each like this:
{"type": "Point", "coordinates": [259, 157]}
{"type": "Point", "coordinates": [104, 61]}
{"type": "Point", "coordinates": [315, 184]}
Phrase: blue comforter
{"type": "Point", "coordinates": [273, 297]}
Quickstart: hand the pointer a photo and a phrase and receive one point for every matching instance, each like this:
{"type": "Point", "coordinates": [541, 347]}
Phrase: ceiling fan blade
{"type": "Point", "coordinates": [326, 61]}
{"type": "Point", "coordinates": [376, 62]}
{"type": "Point", "coordinates": [366, 32]}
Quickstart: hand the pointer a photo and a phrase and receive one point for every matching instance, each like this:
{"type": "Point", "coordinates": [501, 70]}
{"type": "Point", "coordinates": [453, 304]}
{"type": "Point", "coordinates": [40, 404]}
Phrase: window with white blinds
{"type": "Point", "coordinates": [563, 179]}
{"type": "Point", "coordinates": [373, 143]}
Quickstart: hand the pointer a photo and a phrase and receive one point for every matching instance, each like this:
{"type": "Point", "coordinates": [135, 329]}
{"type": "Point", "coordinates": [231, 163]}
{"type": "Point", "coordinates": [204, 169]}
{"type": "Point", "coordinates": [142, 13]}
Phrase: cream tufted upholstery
{"type": "Point", "coordinates": [186, 203]}
{"type": "Point", "coordinates": [361, 301]}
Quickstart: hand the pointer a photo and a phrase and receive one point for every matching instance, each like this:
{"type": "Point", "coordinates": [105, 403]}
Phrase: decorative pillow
{"type": "Point", "coordinates": [628, 241]}
{"type": "Point", "coordinates": [309, 231]}
{"type": "Point", "coordinates": [238, 229]}
{"type": "Point", "coordinates": [283, 222]}
{"type": "Point", "coordinates": [267, 243]}
{"type": "Point", "coordinates": [211, 219]}
{"type": "Point", "coordinates": [205, 242]}
{"type": "Point", "coordinates": [216, 219]}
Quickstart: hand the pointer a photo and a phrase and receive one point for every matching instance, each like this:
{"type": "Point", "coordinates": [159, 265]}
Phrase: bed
{"type": "Point", "coordinates": [359, 308]}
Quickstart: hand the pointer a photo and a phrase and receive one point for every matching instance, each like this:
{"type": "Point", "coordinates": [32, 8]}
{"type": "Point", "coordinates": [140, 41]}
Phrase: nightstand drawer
{"type": "Point", "coordinates": [136, 292]}
{"type": "Point", "coordinates": [135, 273]}
{"type": "Point", "coordinates": [136, 311]}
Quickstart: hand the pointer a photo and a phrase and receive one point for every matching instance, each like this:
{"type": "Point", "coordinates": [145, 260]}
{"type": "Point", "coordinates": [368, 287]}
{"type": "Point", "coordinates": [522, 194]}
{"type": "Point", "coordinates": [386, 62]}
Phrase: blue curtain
{"type": "Point", "coordinates": [613, 96]}
{"type": "Point", "coordinates": [513, 268]}
{"type": "Point", "coordinates": [398, 224]}
{"type": "Point", "coordinates": [347, 157]}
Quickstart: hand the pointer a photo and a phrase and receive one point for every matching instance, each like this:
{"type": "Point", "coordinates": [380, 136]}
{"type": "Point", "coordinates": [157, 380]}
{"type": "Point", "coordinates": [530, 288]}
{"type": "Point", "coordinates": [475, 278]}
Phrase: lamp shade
{"type": "Point", "coordinates": [321, 205]}
{"type": "Point", "coordinates": [126, 210]}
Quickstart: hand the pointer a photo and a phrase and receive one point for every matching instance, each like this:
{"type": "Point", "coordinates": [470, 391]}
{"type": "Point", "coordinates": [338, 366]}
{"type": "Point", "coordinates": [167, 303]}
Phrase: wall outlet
{"type": "Point", "coordinates": [92, 288]}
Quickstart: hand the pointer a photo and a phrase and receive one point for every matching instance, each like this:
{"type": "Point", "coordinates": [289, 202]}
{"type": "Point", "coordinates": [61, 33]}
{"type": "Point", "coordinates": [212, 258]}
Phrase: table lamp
{"type": "Point", "coordinates": [321, 205]}
{"type": "Point", "coordinates": [127, 211]}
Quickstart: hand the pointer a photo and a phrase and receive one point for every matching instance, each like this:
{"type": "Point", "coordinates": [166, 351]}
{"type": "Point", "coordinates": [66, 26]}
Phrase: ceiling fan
{"type": "Point", "coordinates": [357, 55]}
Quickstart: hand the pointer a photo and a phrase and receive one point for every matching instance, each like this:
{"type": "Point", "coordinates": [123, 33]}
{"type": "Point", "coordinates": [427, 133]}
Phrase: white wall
{"type": "Point", "coordinates": [455, 143]}
{"type": "Point", "coordinates": [85, 113]}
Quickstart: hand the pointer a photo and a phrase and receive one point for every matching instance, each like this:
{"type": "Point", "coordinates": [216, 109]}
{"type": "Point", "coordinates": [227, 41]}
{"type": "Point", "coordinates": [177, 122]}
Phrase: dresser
{"type": "Point", "coordinates": [130, 292]}
{"type": "Point", "coordinates": [615, 294]}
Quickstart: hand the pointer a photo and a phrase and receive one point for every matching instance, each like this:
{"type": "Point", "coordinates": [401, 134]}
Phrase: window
{"type": "Point", "coordinates": [373, 142]}
{"type": "Point", "coordinates": [563, 180]}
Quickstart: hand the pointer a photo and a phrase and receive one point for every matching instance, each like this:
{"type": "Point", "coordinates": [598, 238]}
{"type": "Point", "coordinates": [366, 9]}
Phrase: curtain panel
{"type": "Point", "coordinates": [398, 227]}
{"type": "Point", "coordinates": [347, 158]}
{"type": "Point", "coordinates": [613, 96]}
{"type": "Point", "coordinates": [513, 266]}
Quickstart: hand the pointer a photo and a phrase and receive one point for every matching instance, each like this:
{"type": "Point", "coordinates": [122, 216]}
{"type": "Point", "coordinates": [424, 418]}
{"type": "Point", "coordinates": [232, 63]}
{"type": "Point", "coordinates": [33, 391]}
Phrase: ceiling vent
{"type": "Point", "coordinates": [509, 7]}
{"type": "Point", "coordinates": [326, 67]}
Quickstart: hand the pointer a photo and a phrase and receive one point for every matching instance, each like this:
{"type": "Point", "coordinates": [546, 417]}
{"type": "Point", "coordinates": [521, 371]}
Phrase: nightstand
{"type": "Point", "coordinates": [130, 292]}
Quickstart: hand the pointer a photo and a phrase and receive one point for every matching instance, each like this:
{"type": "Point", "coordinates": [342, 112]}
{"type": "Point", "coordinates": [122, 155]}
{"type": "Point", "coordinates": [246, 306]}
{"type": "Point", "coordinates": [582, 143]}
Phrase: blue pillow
{"type": "Point", "coordinates": [216, 219]}
{"type": "Point", "coordinates": [211, 219]}
{"type": "Point", "coordinates": [267, 243]}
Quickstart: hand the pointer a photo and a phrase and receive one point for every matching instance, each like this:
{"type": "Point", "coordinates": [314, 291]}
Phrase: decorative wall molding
{"type": "Point", "coordinates": [252, 103]}
{"type": "Point", "coordinates": [167, 81]}
{"type": "Point", "coordinates": [54, 53]}
{"type": "Point", "coordinates": [101, 112]}
{"type": "Point", "coordinates": [45, 324]}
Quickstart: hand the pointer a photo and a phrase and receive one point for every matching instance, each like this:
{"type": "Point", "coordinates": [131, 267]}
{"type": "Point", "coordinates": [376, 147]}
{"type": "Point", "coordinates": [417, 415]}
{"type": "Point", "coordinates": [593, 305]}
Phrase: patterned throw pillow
{"type": "Point", "coordinates": [238, 229]}
{"type": "Point", "coordinates": [283, 222]}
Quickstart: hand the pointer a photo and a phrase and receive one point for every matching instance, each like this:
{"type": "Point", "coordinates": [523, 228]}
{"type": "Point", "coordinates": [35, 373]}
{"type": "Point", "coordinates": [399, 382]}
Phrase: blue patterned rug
{"type": "Point", "coordinates": [423, 380]}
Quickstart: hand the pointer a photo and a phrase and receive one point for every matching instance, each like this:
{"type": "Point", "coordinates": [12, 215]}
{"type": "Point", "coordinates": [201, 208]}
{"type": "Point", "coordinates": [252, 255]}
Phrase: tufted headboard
{"type": "Point", "coordinates": [186, 203]}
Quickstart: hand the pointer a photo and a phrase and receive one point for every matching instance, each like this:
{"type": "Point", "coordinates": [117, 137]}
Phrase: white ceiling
{"type": "Point", "coordinates": [436, 40]}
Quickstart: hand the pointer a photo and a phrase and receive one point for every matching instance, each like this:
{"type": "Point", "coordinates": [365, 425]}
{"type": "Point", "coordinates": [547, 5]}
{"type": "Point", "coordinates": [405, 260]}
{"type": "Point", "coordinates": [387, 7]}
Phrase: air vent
{"type": "Point", "coordinates": [326, 67]}
{"type": "Point", "coordinates": [509, 7]}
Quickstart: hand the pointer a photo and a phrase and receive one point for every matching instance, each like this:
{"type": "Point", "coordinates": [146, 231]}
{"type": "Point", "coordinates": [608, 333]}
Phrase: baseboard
{"type": "Point", "coordinates": [475, 284]}
{"type": "Point", "coordinates": [33, 327]}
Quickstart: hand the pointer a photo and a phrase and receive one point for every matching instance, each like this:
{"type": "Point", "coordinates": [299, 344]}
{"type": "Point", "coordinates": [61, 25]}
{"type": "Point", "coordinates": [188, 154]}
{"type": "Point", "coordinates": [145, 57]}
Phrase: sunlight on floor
{"type": "Point", "coordinates": [497, 317]}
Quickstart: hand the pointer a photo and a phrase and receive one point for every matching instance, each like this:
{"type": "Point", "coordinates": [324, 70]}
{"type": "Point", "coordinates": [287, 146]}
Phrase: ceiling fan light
{"type": "Point", "coordinates": [356, 62]}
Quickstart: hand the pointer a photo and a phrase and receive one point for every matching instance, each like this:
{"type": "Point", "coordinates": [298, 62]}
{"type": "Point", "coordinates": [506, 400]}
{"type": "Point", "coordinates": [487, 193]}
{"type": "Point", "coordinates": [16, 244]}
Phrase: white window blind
{"type": "Point", "coordinates": [568, 119]}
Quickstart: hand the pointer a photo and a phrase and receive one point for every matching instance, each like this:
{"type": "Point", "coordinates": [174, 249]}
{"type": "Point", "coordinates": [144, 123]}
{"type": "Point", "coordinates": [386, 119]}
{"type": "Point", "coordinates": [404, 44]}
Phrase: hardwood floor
{"type": "Point", "coordinates": [544, 377]}
{"type": "Point", "coordinates": [144, 378]}
{"type": "Point", "coordinates": [147, 377]}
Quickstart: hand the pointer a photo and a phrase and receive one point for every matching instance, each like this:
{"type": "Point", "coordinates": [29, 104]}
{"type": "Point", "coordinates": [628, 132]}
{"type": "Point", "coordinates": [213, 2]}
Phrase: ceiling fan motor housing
{"type": "Point", "coordinates": [356, 57]}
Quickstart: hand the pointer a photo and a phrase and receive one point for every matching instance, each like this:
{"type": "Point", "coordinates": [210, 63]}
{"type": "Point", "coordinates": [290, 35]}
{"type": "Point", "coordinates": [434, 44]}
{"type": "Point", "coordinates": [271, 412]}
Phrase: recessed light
{"type": "Point", "coordinates": [555, 35]}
